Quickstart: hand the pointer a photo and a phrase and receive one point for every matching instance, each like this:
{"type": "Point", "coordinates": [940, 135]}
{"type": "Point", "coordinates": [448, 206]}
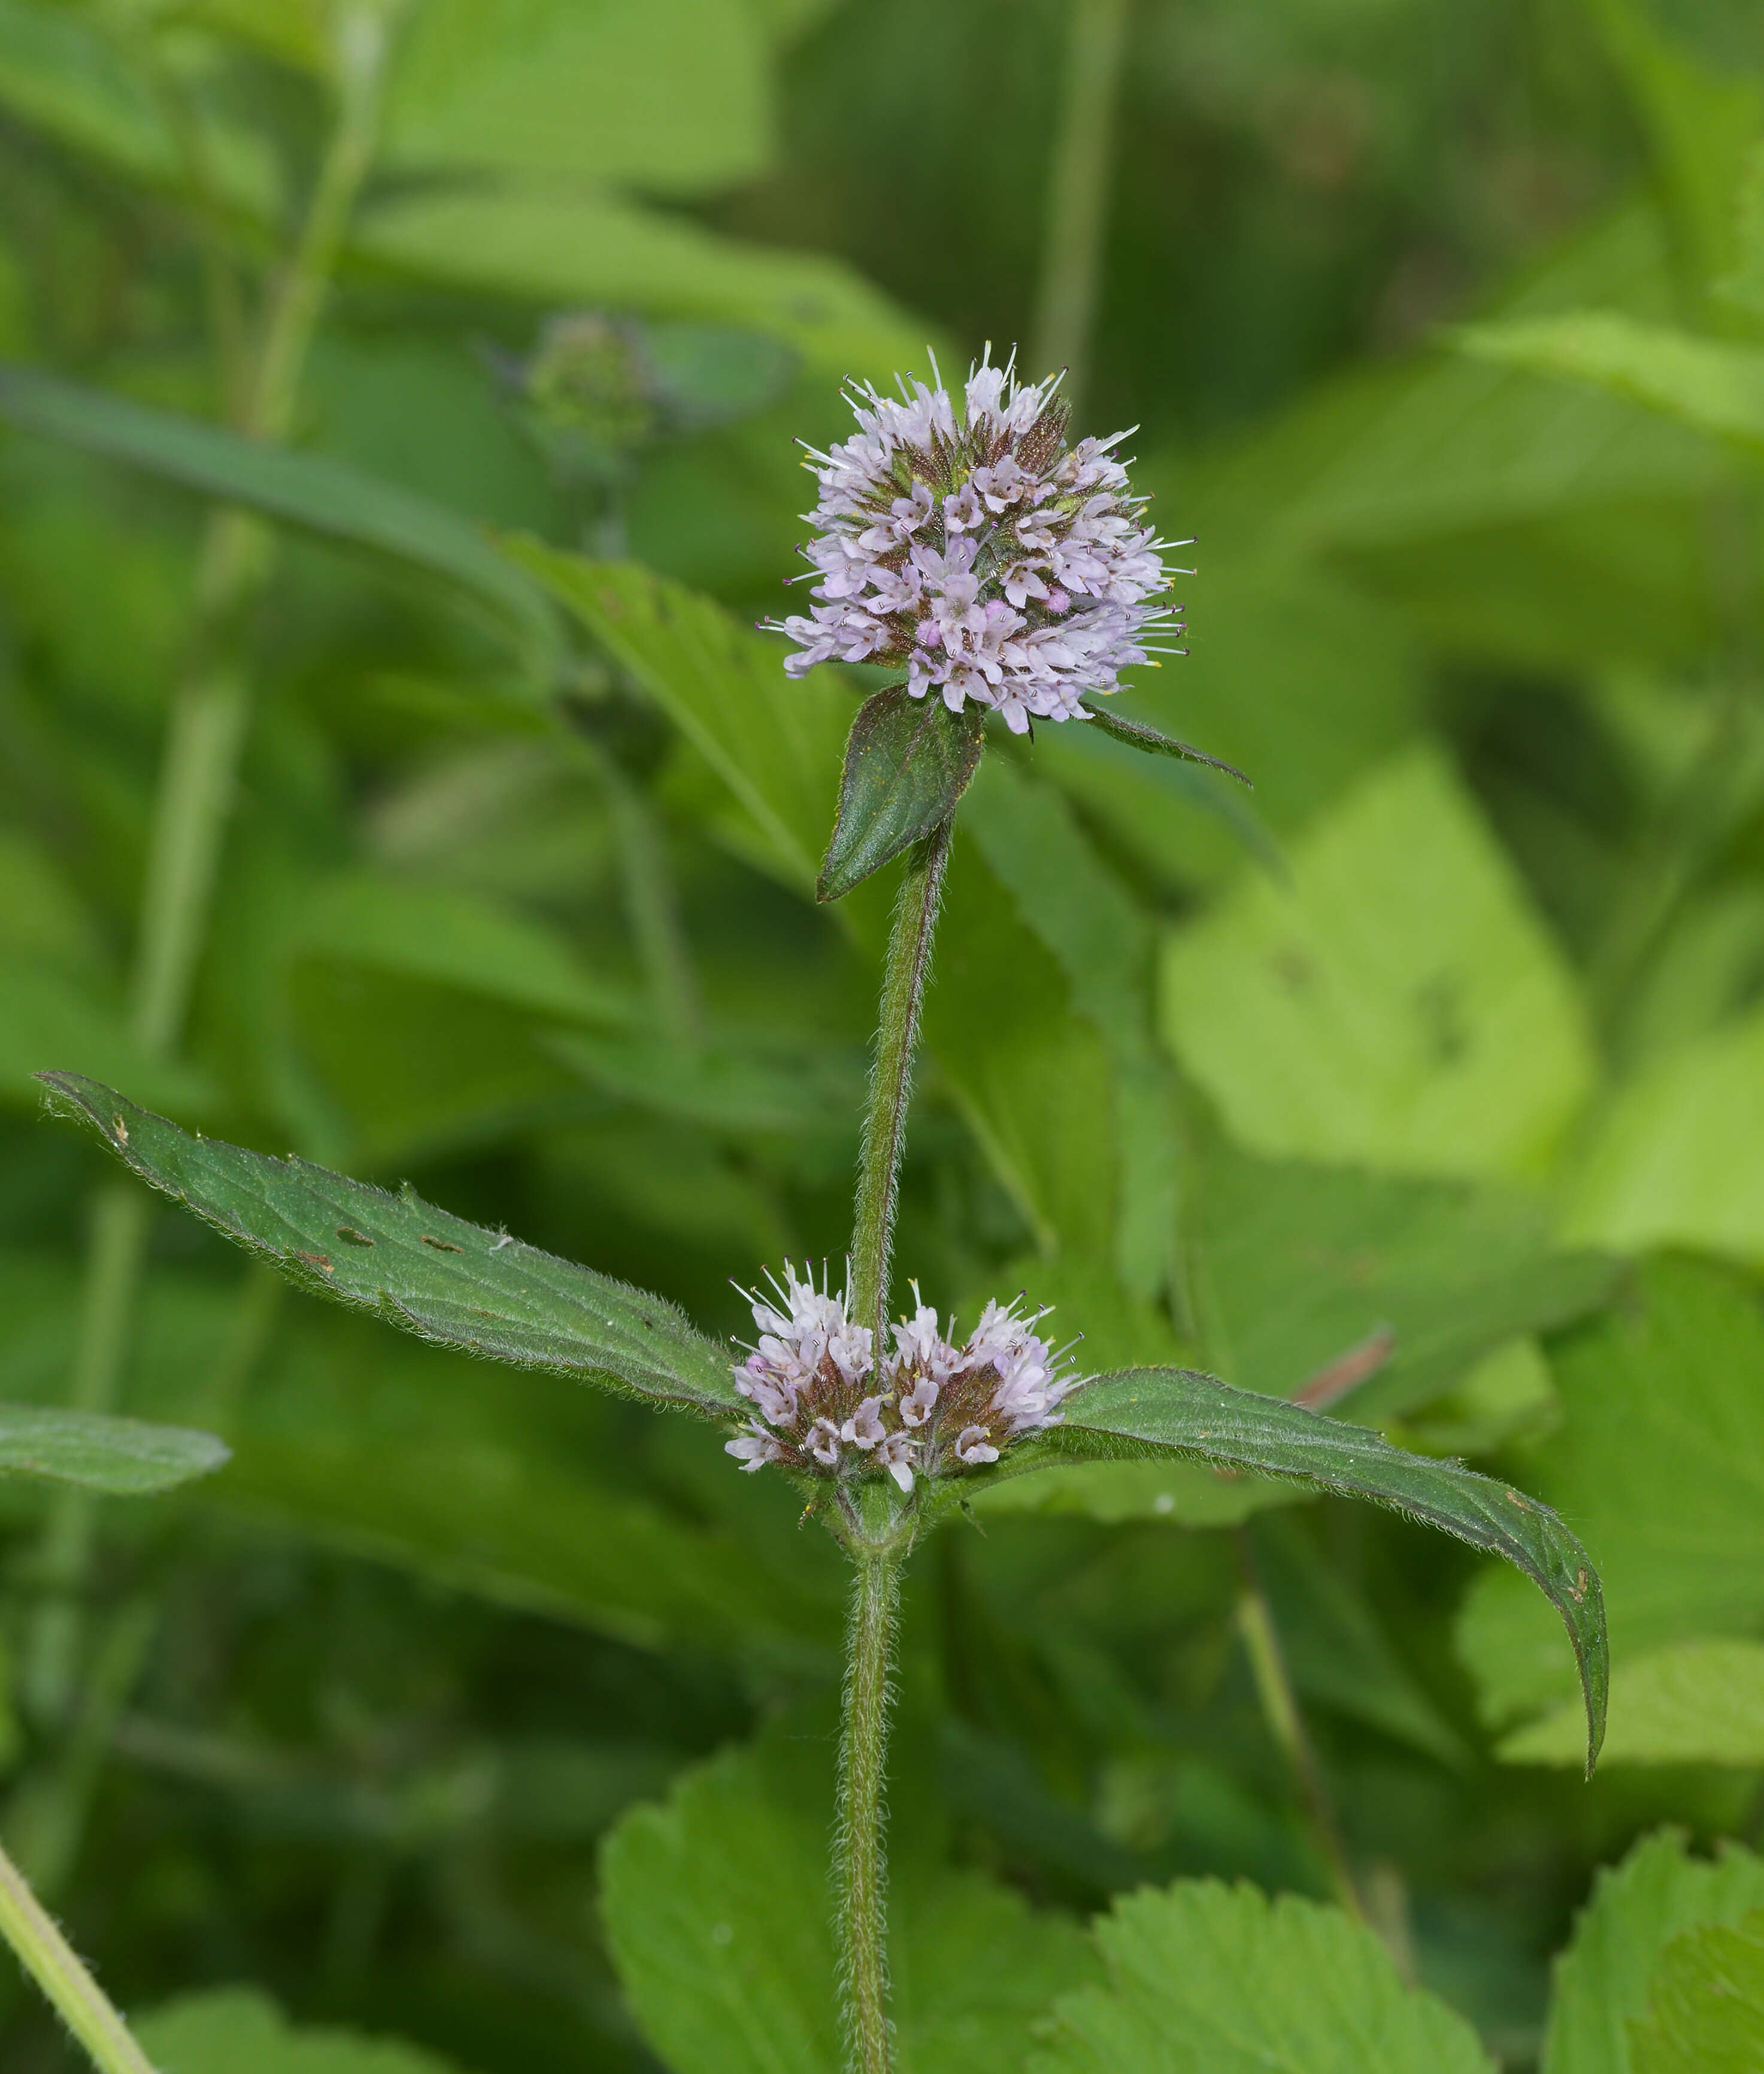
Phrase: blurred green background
{"type": "Point", "coordinates": [1437, 1062]}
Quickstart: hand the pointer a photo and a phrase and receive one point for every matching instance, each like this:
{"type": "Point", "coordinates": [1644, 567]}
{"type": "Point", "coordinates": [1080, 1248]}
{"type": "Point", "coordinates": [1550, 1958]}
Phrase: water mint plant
{"type": "Point", "coordinates": [1004, 573]}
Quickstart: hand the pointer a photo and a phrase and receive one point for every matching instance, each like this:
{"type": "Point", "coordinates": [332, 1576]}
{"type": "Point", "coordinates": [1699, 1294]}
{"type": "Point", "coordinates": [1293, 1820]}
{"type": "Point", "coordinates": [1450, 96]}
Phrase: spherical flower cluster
{"type": "Point", "coordinates": [986, 557]}
{"type": "Point", "coordinates": [931, 1408]}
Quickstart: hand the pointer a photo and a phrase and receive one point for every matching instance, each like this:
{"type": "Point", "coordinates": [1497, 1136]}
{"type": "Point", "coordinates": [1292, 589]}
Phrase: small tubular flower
{"type": "Point", "coordinates": [971, 547]}
{"type": "Point", "coordinates": [829, 1407]}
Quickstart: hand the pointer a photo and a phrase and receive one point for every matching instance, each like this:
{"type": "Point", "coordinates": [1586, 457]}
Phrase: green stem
{"type": "Point", "coordinates": [205, 736]}
{"type": "Point", "coordinates": [1078, 192]}
{"type": "Point", "coordinates": [891, 1074]}
{"type": "Point", "coordinates": [1286, 1723]}
{"type": "Point", "coordinates": [862, 1852]}
{"type": "Point", "coordinates": [121, 1216]}
{"type": "Point", "coordinates": [652, 909]}
{"type": "Point", "coordinates": [53, 1964]}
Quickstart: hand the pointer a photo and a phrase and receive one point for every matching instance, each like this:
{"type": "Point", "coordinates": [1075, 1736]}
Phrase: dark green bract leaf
{"type": "Point", "coordinates": [121, 1455]}
{"type": "Point", "coordinates": [1138, 1411]}
{"type": "Point", "coordinates": [420, 1267]}
{"type": "Point", "coordinates": [1137, 735]}
{"type": "Point", "coordinates": [309, 490]}
{"type": "Point", "coordinates": [908, 761]}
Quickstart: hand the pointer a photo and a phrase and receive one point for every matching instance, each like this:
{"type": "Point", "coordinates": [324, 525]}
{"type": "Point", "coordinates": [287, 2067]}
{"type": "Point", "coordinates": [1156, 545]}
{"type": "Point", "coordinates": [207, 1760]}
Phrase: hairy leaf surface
{"type": "Point", "coordinates": [1140, 1410]}
{"type": "Point", "coordinates": [908, 761]}
{"type": "Point", "coordinates": [419, 1266]}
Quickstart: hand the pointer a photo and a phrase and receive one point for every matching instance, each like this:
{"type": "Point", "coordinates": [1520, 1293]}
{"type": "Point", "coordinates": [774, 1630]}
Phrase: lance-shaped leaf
{"type": "Point", "coordinates": [908, 761]}
{"type": "Point", "coordinates": [420, 1267]}
{"type": "Point", "coordinates": [1137, 735]}
{"type": "Point", "coordinates": [1155, 1410]}
{"type": "Point", "coordinates": [100, 1453]}
{"type": "Point", "coordinates": [312, 491]}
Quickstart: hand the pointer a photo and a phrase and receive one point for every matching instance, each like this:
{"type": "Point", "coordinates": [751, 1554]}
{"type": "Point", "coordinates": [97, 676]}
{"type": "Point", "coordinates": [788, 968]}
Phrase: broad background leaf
{"type": "Point", "coordinates": [1207, 1979]}
{"type": "Point", "coordinates": [1399, 1004]}
{"type": "Point", "coordinates": [1659, 1463]}
{"type": "Point", "coordinates": [227, 2030]}
{"type": "Point", "coordinates": [717, 1906]}
{"type": "Point", "coordinates": [1705, 2003]}
{"type": "Point", "coordinates": [1637, 1908]}
{"type": "Point", "coordinates": [1692, 1703]}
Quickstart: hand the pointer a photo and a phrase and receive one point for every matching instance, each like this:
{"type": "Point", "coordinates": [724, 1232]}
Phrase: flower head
{"type": "Point", "coordinates": [827, 1405]}
{"type": "Point", "coordinates": [973, 548]}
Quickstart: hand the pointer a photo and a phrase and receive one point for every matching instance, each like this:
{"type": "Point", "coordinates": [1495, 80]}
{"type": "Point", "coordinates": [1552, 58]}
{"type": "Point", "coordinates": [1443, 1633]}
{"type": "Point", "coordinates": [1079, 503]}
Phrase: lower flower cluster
{"type": "Point", "coordinates": [826, 1405]}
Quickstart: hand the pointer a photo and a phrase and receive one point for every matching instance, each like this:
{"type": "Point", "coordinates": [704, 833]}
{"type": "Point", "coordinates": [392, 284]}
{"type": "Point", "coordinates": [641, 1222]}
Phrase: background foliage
{"type": "Point", "coordinates": [467, 1709]}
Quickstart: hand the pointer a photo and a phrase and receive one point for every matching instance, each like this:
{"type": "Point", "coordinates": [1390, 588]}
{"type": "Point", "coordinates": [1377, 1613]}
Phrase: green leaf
{"type": "Point", "coordinates": [519, 1495]}
{"type": "Point", "coordinates": [1638, 1908]}
{"type": "Point", "coordinates": [1073, 902]}
{"type": "Point", "coordinates": [1298, 1267]}
{"type": "Point", "coordinates": [1137, 735]}
{"type": "Point", "coordinates": [102, 1453]}
{"type": "Point", "coordinates": [461, 939]}
{"type": "Point", "coordinates": [1505, 515]}
{"type": "Point", "coordinates": [1157, 806]}
{"type": "Point", "coordinates": [417, 1266]}
{"type": "Point", "coordinates": [1698, 124]}
{"type": "Point", "coordinates": [1705, 2003]}
{"type": "Point", "coordinates": [228, 2030]}
{"type": "Point", "coordinates": [544, 244]}
{"type": "Point", "coordinates": [669, 96]}
{"type": "Point", "coordinates": [1148, 1410]}
{"type": "Point", "coordinates": [1032, 1078]}
{"type": "Point", "coordinates": [716, 1911]}
{"type": "Point", "coordinates": [1291, 676]}
{"type": "Point", "coordinates": [325, 496]}
{"type": "Point", "coordinates": [1119, 1329]}
{"type": "Point", "coordinates": [487, 1481]}
{"type": "Point", "coordinates": [813, 1093]}
{"type": "Point", "coordinates": [907, 762]}
{"type": "Point", "coordinates": [61, 73]}
{"type": "Point", "coordinates": [1745, 285]}
{"type": "Point", "coordinates": [775, 744]}
{"type": "Point", "coordinates": [1702, 382]}
{"type": "Point", "coordinates": [1398, 1004]}
{"type": "Point", "coordinates": [1678, 1159]}
{"type": "Point", "coordinates": [1207, 1979]}
{"type": "Point", "coordinates": [1691, 1703]}
{"type": "Point", "coordinates": [1659, 1462]}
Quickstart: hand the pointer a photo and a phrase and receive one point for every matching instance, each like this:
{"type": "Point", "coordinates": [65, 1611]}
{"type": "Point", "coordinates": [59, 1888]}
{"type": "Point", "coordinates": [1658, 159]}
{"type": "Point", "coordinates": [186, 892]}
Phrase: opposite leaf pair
{"type": "Point", "coordinates": [456, 1283]}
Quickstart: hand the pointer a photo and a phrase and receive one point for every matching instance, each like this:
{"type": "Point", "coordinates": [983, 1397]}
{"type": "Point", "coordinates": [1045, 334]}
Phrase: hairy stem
{"type": "Point", "coordinates": [1078, 191]}
{"type": "Point", "coordinates": [862, 1852]}
{"type": "Point", "coordinates": [904, 976]}
{"type": "Point", "coordinates": [1286, 1723]}
{"type": "Point", "coordinates": [53, 1964]}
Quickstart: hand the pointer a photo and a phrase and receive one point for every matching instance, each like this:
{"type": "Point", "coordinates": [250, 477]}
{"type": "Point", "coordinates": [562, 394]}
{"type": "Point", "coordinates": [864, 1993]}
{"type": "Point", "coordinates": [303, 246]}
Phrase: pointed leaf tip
{"type": "Point", "coordinates": [416, 1266]}
{"type": "Point", "coordinates": [908, 761]}
{"type": "Point", "coordinates": [1137, 735]}
{"type": "Point", "coordinates": [1178, 1410]}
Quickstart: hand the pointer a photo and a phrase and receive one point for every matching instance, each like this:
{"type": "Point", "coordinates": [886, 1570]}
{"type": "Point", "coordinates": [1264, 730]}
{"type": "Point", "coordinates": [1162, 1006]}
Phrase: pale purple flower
{"type": "Point", "coordinates": [928, 1407]}
{"type": "Point", "coordinates": [933, 513]}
